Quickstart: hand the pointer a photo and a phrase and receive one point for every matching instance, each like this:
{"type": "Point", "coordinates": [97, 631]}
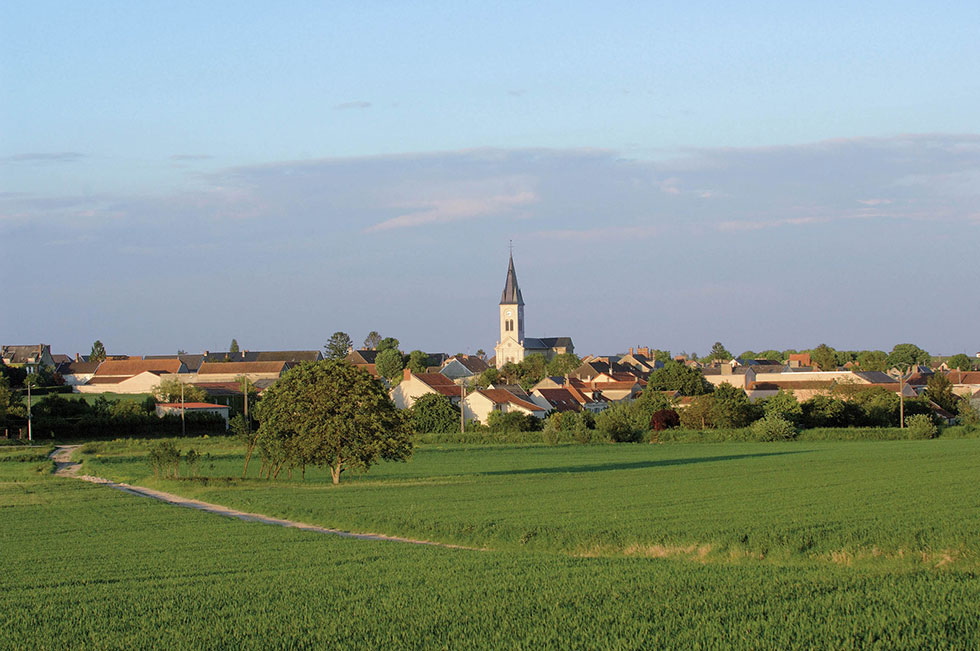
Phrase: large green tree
{"type": "Point", "coordinates": [960, 362]}
{"type": "Point", "coordinates": [233, 346]}
{"type": "Point", "coordinates": [563, 364]}
{"type": "Point", "coordinates": [872, 360]}
{"type": "Point", "coordinates": [731, 407]}
{"type": "Point", "coordinates": [940, 390]}
{"type": "Point", "coordinates": [434, 412]}
{"type": "Point", "coordinates": [824, 357]}
{"type": "Point", "coordinates": [674, 376]}
{"type": "Point", "coordinates": [388, 343]}
{"type": "Point", "coordinates": [169, 390]}
{"type": "Point", "coordinates": [389, 363]}
{"type": "Point", "coordinates": [719, 352]}
{"type": "Point", "coordinates": [338, 345]}
{"type": "Point", "coordinates": [905, 355]}
{"type": "Point", "coordinates": [332, 414]}
{"type": "Point", "coordinates": [418, 361]}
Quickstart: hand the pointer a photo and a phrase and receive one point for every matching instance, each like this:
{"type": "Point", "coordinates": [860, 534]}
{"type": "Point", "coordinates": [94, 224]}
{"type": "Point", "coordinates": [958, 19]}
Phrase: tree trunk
{"type": "Point", "coordinates": [335, 473]}
{"type": "Point", "coordinates": [248, 455]}
{"type": "Point", "coordinates": [275, 475]}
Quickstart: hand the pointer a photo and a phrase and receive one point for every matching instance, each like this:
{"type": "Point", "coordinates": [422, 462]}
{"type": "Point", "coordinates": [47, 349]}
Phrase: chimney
{"type": "Point", "coordinates": [631, 350]}
{"type": "Point", "coordinates": [78, 357]}
{"type": "Point", "coordinates": [406, 374]}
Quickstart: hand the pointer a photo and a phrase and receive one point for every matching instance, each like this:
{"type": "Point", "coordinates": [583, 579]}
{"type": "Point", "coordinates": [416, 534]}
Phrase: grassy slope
{"type": "Point", "coordinates": [908, 501]}
{"type": "Point", "coordinates": [86, 566]}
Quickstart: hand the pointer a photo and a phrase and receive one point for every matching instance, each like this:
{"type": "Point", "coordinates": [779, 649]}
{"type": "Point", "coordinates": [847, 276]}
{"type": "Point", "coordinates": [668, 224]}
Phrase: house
{"type": "Point", "coordinates": [30, 358]}
{"type": "Point", "coordinates": [965, 383]}
{"type": "Point", "coordinates": [290, 357]}
{"type": "Point", "coordinates": [797, 360]}
{"type": "Point", "coordinates": [175, 408]}
{"type": "Point", "coordinates": [513, 346]}
{"type": "Point", "coordinates": [131, 375]}
{"type": "Point", "coordinates": [415, 385]}
{"type": "Point", "coordinates": [75, 373]}
{"type": "Point", "coordinates": [192, 362]}
{"type": "Point", "coordinates": [479, 404]}
{"type": "Point", "coordinates": [364, 360]}
{"type": "Point", "coordinates": [232, 371]}
{"type": "Point", "coordinates": [462, 367]}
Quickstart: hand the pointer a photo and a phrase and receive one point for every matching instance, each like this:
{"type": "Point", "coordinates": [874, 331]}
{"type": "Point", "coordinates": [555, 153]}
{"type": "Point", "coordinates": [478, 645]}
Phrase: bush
{"type": "Point", "coordinates": [664, 419]}
{"type": "Point", "coordinates": [921, 426]}
{"type": "Point", "coordinates": [618, 424]}
{"type": "Point", "coordinates": [514, 421]}
{"type": "Point", "coordinates": [165, 459]}
{"type": "Point", "coordinates": [774, 428]}
{"type": "Point", "coordinates": [434, 412]}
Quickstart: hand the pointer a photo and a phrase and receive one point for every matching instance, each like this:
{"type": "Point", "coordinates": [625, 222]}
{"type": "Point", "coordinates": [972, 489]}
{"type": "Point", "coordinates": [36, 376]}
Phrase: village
{"type": "Point", "coordinates": [529, 376]}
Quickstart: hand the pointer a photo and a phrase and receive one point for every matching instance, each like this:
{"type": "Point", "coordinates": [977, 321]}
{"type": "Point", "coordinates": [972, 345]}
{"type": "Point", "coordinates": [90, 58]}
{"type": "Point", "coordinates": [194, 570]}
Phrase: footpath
{"type": "Point", "coordinates": [65, 467]}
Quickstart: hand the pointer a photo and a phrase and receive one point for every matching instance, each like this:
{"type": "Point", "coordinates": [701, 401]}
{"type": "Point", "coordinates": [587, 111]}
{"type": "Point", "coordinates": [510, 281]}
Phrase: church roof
{"type": "Point", "coordinates": [512, 293]}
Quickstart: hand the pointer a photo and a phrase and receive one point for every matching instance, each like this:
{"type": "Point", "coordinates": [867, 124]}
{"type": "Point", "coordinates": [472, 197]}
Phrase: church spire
{"type": "Point", "coordinates": [512, 293]}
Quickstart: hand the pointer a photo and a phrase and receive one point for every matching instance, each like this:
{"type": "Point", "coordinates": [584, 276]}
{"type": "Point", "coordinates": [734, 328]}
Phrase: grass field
{"type": "Point", "coordinates": [910, 502]}
{"type": "Point", "coordinates": [87, 566]}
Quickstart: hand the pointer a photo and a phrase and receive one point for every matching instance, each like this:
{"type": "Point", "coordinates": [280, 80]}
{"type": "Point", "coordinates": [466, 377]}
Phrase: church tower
{"type": "Point", "coordinates": [510, 347]}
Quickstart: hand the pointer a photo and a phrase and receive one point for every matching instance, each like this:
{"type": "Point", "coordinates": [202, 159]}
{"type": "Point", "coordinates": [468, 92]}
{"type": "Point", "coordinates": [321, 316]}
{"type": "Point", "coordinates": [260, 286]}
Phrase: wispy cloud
{"type": "Point", "coordinates": [191, 157]}
{"type": "Point", "coordinates": [352, 105]}
{"type": "Point", "coordinates": [439, 211]}
{"type": "Point", "coordinates": [45, 157]}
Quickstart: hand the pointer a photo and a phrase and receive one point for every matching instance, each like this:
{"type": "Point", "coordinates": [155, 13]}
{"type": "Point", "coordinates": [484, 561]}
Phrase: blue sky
{"type": "Point", "coordinates": [173, 175]}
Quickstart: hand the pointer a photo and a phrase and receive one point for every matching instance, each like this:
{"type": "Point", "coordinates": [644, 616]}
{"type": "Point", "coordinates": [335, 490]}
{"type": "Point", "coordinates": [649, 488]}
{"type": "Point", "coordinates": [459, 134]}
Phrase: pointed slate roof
{"type": "Point", "coordinates": [512, 293]}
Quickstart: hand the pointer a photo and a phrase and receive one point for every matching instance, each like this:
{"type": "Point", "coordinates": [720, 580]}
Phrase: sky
{"type": "Point", "coordinates": [768, 175]}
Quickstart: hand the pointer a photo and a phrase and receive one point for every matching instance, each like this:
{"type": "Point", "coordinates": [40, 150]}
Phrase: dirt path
{"type": "Point", "coordinates": [67, 468]}
{"type": "Point", "coordinates": [64, 466]}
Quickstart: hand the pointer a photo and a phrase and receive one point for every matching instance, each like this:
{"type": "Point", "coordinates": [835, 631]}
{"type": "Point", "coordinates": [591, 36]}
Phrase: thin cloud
{"type": "Point", "coordinates": [191, 157]}
{"type": "Point", "coordinates": [352, 105]}
{"type": "Point", "coordinates": [440, 211]}
{"type": "Point", "coordinates": [45, 157]}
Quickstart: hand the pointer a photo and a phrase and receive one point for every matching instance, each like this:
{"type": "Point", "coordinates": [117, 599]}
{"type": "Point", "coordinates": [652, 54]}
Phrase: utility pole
{"type": "Point", "coordinates": [29, 433]}
{"type": "Point", "coordinates": [901, 398]}
{"type": "Point", "coordinates": [183, 425]}
{"type": "Point", "coordinates": [462, 416]}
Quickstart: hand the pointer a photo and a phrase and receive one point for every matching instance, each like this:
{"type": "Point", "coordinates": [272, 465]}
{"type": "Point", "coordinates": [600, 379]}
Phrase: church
{"type": "Point", "coordinates": [513, 346]}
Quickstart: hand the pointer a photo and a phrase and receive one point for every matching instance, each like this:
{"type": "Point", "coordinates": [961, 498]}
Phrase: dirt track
{"type": "Point", "coordinates": [65, 467]}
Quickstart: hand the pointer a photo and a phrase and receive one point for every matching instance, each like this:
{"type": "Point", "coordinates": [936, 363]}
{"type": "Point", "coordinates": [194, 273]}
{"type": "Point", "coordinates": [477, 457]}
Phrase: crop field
{"type": "Point", "coordinates": [914, 503]}
{"type": "Point", "coordinates": [743, 545]}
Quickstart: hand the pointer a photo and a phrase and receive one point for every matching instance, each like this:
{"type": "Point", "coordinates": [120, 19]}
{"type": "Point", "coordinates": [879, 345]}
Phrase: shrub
{"type": "Point", "coordinates": [664, 419]}
{"type": "Point", "coordinates": [774, 428]}
{"type": "Point", "coordinates": [165, 459]}
{"type": "Point", "coordinates": [618, 424]}
{"type": "Point", "coordinates": [921, 426]}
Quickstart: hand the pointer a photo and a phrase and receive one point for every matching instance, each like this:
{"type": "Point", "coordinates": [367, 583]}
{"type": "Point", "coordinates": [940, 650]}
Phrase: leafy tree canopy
{"type": "Point", "coordinates": [872, 360]}
{"type": "Point", "coordinates": [331, 414]}
{"type": "Point", "coordinates": [960, 362]}
{"type": "Point", "coordinates": [940, 390]}
{"type": "Point", "coordinates": [98, 352]}
{"type": "Point", "coordinates": [674, 376]}
{"type": "Point", "coordinates": [418, 361]}
{"type": "Point", "coordinates": [904, 356]}
{"type": "Point", "coordinates": [719, 352]}
{"type": "Point", "coordinates": [388, 343]}
{"type": "Point", "coordinates": [233, 346]}
{"type": "Point", "coordinates": [337, 346]}
{"type": "Point", "coordinates": [563, 364]}
{"type": "Point", "coordinates": [434, 413]}
{"type": "Point", "coordinates": [389, 363]}
{"type": "Point", "coordinates": [169, 391]}
{"type": "Point", "coordinates": [824, 357]}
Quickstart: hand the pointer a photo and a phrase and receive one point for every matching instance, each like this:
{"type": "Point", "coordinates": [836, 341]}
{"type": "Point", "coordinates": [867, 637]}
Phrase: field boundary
{"type": "Point", "coordinates": [64, 467]}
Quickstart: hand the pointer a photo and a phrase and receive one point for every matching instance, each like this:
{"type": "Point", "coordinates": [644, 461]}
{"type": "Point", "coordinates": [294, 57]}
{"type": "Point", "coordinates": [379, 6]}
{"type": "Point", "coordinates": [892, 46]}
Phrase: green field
{"type": "Point", "coordinates": [909, 501]}
{"type": "Point", "coordinates": [85, 565]}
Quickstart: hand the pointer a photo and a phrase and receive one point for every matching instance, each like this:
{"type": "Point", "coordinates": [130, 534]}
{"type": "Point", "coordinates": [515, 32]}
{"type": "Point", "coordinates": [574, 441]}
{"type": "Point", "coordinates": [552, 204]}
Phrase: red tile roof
{"type": "Point", "coordinates": [240, 368]}
{"type": "Point", "coordinates": [964, 377]}
{"type": "Point", "coordinates": [503, 396]}
{"type": "Point", "coordinates": [562, 399]}
{"type": "Point", "coordinates": [131, 367]}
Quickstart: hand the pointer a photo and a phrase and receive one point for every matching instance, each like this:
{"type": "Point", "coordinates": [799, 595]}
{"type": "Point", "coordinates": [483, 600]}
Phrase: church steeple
{"type": "Point", "coordinates": [512, 292]}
